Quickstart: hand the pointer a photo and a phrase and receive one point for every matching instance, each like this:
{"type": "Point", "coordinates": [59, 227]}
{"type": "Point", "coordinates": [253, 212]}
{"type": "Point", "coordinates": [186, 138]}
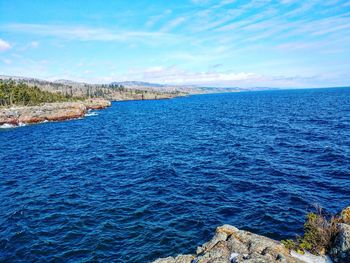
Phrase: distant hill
{"type": "Point", "coordinates": [138, 83]}
{"type": "Point", "coordinates": [116, 89]}
{"type": "Point", "coordinates": [191, 89]}
{"type": "Point", "coordinates": [68, 82]}
{"type": "Point", "coordinates": [73, 89]}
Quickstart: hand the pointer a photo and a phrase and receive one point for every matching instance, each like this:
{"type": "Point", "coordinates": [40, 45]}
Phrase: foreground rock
{"type": "Point", "coordinates": [230, 244]}
{"type": "Point", "coordinates": [340, 250]}
{"type": "Point", "coordinates": [49, 111]}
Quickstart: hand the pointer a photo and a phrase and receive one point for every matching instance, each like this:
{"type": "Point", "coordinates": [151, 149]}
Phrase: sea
{"type": "Point", "coordinates": [148, 179]}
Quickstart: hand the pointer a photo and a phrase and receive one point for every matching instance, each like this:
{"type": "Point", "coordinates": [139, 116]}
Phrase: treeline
{"type": "Point", "coordinates": [116, 87]}
{"type": "Point", "coordinates": [12, 93]}
{"type": "Point", "coordinates": [33, 92]}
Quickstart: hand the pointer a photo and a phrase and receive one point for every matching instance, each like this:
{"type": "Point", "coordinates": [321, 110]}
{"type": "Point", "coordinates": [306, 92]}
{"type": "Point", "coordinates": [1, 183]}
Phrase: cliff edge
{"type": "Point", "coordinates": [57, 111]}
{"type": "Point", "coordinates": [231, 245]}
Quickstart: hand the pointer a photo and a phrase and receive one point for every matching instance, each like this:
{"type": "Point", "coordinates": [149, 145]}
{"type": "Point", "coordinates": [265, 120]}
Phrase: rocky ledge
{"type": "Point", "coordinates": [50, 111]}
{"type": "Point", "coordinates": [231, 245]}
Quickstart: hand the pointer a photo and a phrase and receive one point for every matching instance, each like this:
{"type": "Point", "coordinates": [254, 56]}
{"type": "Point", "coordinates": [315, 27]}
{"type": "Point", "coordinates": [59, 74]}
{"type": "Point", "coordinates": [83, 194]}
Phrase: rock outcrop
{"type": "Point", "coordinates": [96, 104]}
{"type": "Point", "coordinates": [49, 111]}
{"type": "Point", "coordinates": [230, 244]}
{"type": "Point", "coordinates": [340, 251]}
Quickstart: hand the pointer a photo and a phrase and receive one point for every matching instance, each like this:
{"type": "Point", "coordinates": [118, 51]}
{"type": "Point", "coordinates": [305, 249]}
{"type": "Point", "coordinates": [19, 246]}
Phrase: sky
{"type": "Point", "coordinates": [225, 43]}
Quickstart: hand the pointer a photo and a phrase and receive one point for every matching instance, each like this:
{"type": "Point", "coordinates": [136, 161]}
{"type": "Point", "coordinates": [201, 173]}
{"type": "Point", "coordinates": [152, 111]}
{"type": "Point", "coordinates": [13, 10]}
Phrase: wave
{"type": "Point", "coordinates": [89, 114]}
{"type": "Point", "coordinates": [11, 126]}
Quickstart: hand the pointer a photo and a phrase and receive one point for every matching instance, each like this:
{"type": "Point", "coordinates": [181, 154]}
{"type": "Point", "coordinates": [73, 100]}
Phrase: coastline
{"type": "Point", "coordinates": [57, 111]}
{"type": "Point", "coordinates": [17, 116]}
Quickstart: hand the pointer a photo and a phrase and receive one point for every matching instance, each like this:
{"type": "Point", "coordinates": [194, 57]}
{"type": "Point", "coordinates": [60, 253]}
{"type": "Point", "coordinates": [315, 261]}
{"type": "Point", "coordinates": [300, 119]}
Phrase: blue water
{"type": "Point", "coordinates": [145, 179]}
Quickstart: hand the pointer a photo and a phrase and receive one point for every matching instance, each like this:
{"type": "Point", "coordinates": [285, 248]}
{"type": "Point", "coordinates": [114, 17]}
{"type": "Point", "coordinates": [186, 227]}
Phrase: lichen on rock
{"type": "Point", "coordinates": [345, 215]}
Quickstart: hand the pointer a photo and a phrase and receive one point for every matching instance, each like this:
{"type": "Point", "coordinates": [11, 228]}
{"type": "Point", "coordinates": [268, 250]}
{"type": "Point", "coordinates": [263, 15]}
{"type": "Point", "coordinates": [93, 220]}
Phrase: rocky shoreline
{"type": "Point", "coordinates": [231, 245]}
{"type": "Point", "coordinates": [59, 111]}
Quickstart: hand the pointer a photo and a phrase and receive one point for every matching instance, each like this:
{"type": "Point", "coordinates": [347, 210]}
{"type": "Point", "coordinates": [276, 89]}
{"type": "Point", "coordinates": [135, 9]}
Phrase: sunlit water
{"type": "Point", "coordinates": [145, 179]}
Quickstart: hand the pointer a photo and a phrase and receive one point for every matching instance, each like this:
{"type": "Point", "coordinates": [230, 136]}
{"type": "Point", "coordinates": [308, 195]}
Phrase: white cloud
{"type": "Point", "coordinates": [153, 20]}
{"type": "Point", "coordinates": [225, 78]}
{"type": "Point", "coordinates": [173, 23]}
{"type": "Point", "coordinates": [4, 45]}
{"type": "Point", "coordinates": [228, 78]}
{"type": "Point", "coordinates": [287, 2]}
{"type": "Point", "coordinates": [34, 44]}
{"type": "Point", "coordinates": [7, 61]}
{"type": "Point", "coordinates": [200, 2]}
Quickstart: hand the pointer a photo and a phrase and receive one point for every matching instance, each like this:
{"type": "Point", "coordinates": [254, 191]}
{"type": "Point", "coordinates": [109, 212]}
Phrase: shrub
{"type": "Point", "coordinates": [319, 234]}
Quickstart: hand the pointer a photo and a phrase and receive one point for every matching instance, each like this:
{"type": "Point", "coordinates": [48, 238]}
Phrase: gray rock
{"type": "Point", "coordinates": [218, 253]}
{"type": "Point", "coordinates": [178, 259]}
{"type": "Point", "coordinates": [184, 258]}
{"type": "Point", "coordinates": [340, 252]}
{"type": "Point", "coordinates": [231, 245]}
{"type": "Point", "coordinates": [165, 260]}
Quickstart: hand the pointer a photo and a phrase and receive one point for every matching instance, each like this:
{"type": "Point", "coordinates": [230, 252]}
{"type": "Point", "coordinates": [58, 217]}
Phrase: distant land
{"type": "Point", "coordinates": [106, 90]}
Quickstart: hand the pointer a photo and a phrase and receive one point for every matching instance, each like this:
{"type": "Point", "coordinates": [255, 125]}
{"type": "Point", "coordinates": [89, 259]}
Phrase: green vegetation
{"type": "Point", "coordinates": [12, 93]}
{"type": "Point", "coordinates": [28, 92]}
{"type": "Point", "coordinates": [117, 87]}
{"type": "Point", "coordinates": [319, 234]}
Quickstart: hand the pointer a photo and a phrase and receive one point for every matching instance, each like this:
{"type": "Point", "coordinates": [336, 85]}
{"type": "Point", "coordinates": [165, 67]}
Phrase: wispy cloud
{"type": "Point", "coordinates": [4, 45]}
{"type": "Point", "coordinates": [173, 23]}
{"type": "Point", "coordinates": [201, 2]}
{"type": "Point", "coordinates": [84, 33]}
{"type": "Point", "coordinates": [255, 42]}
{"type": "Point", "coordinates": [7, 61]}
{"type": "Point", "coordinates": [34, 44]}
{"type": "Point", "coordinates": [153, 20]}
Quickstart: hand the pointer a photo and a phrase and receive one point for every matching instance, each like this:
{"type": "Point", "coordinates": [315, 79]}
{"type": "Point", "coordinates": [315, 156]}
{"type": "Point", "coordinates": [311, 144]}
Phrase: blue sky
{"type": "Point", "coordinates": [286, 43]}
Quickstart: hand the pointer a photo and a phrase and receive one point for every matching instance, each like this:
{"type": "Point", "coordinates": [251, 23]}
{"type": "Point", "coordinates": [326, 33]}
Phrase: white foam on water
{"type": "Point", "coordinates": [7, 126]}
{"type": "Point", "coordinates": [310, 258]}
{"type": "Point", "coordinates": [11, 126]}
{"type": "Point", "coordinates": [91, 114]}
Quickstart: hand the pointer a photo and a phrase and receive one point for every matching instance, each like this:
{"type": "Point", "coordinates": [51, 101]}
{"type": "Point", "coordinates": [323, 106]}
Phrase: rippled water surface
{"type": "Point", "coordinates": [145, 179]}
